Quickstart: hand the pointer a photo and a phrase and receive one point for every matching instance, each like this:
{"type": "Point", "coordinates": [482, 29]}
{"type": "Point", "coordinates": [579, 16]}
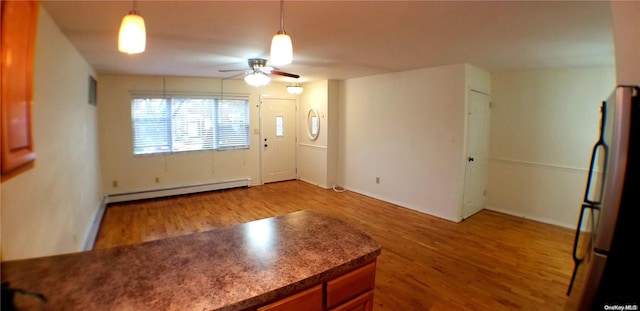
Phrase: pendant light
{"type": "Point", "coordinates": [281, 47]}
{"type": "Point", "coordinates": [132, 37]}
{"type": "Point", "coordinates": [295, 88]}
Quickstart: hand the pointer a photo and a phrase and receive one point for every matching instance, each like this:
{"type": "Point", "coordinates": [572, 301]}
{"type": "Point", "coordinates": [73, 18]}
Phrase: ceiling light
{"type": "Point", "coordinates": [281, 47]}
{"type": "Point", "coordinates": [132, 38]}
{"type": "Point", "coordinates": [294, 89]}
{"type": "Point", "coordinates": [257, 78]}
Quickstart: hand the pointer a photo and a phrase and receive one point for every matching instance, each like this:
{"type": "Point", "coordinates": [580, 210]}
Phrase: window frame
{"type": "Point", "coordinates": [241, 123]}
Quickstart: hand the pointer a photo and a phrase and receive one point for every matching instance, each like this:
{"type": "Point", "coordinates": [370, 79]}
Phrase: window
{"type": "Point", "coordinates": [279, 126]}
{"type": "Point", "coordinates": [162, 125]}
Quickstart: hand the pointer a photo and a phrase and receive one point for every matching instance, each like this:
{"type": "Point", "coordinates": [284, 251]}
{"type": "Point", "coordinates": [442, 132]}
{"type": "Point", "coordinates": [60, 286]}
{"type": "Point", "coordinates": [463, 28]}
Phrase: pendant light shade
{"type": "Point", "coordinates": [257, 79]}
{"type": "Point", "coordinates": [281, 46]}
{"type": "Point", "coordinates": [295, 89]}
{"type": "Point", "coordinates": [132, 38]}
{"type": "Point", "coordinates": [281, 49]}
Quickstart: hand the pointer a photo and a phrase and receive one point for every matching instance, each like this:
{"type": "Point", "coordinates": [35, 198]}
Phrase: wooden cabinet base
{"type": "Point", "coordinates": [352, 291]}
{"type": "Point", "coordinates": [310, 300]}
{"type": "Point", "coordinates": [363, 302]}
{"type": "Point", "coordinates": [352, 284]}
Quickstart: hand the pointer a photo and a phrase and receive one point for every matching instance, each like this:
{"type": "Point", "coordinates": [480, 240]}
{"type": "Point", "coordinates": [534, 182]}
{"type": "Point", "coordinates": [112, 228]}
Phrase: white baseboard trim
{"type": "Point", "coordinates": [95, 226]}
{"type": "Point", "coordinates": [534, 218]}
{"type": "Point", "coordinates": [401, 204]}
{"type": "Point", "coordinates": [149, 194]}
{"type": "Point", "coordinates": [313, 183]}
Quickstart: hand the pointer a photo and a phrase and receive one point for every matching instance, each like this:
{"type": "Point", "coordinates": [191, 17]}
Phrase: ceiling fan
{"type": "Point", "coordinates": [259, 73]}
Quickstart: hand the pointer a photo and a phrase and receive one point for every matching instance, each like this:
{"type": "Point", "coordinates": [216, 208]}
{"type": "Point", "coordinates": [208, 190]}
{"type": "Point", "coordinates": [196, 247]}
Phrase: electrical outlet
{"type": "Point", "coordinates": [157, 180]}
{"type": "Point", "coordinates": [377, 180]}
{"type": "Point", "coordinates": [115, 183]}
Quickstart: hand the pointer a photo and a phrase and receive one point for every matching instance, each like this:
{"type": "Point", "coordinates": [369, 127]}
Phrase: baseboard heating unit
{"type": "Point", "coordinates": [150, 194]}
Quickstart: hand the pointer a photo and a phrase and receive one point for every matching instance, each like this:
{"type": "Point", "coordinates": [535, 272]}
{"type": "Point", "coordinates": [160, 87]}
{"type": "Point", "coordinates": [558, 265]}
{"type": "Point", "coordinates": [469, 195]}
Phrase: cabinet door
{"type": "Point", "coordinates": [363, 302]}
{"type": "Point", "coordinates": [19, 20]}
{"type": "Point", "coordinates": [351, 285]}
{"type": "Point", "coordinates": [309, 300]}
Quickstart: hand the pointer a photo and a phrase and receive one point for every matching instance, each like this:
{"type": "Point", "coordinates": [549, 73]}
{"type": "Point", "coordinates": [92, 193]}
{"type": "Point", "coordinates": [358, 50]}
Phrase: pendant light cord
{"type": "Point", "coordinates": [282, 15]}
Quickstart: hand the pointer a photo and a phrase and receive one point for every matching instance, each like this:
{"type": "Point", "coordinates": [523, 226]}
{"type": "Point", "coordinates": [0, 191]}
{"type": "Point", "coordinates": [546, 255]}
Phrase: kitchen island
{"type": "Point", "coordinates": [266, 264]}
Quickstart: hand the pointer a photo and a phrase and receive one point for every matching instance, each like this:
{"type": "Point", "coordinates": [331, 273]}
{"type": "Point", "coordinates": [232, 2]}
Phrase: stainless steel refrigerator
{"type": "Point", "coordinates": [607, 242]}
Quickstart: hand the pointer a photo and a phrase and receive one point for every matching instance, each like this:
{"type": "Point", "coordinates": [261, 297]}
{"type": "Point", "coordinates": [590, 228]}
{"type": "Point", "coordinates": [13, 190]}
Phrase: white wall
{"type": "Point", "coordinates": [138, 173]}
{"type": "Point", "coordinates": [317, 159]}
{"type": "Point", "coordinates": [543, 126]}
{"type": "Point", "coordinates": [312, 154]}
{"type": "Point", "coordinates": [49, 209]}
{"type": "Point", "coordinates": [626, 27]}
{"type": "Point", "coordinates": [333, 132]}
{"type": "Point", "coordinates": [408, 129]}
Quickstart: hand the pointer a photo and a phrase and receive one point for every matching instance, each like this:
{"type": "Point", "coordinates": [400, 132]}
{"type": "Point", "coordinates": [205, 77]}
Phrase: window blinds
{"type": "Point", "coordinates": [151, 126]}
{"type": "Point", "coordinates": [176, 124]}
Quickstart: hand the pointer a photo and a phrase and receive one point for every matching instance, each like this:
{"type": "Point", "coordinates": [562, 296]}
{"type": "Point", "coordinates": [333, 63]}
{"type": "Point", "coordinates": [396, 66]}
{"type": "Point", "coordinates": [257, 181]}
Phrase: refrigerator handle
{"type": "Point", "coordinates": [577, 261]}
{"type": "Point", "coordinates": [598, 144]}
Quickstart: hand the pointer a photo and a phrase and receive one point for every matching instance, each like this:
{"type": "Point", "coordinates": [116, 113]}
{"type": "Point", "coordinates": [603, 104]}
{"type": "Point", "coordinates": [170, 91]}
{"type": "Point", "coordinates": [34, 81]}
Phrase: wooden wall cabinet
{"type": "Point", "coordinates": [352, 291]}
{"type": "Point", "coordinates": [19, 21]}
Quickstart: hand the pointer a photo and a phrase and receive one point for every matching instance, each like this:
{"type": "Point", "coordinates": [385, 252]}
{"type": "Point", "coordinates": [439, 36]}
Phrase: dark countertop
{"type": "Point", "coordinates": [230, 268]}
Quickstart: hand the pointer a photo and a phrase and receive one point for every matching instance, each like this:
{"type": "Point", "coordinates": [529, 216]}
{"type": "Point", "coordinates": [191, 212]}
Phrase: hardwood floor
{"type": "Point", "coordinates": [489, 261]}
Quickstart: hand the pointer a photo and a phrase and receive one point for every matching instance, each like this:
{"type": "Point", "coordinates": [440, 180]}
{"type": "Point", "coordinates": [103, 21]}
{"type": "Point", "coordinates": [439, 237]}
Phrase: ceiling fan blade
{"type": "Point", "coordinates": [235, 75]}
{"type": "Point", "coordinates": [259, 65]}
{"type": "Point", "coordinates": [286, 74]}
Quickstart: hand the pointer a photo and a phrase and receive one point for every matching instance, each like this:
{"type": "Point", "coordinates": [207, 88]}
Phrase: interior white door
{"type": "Point", "coordinates": [278, 139]}
{"type": "Point", "coordinates": [478, 126]}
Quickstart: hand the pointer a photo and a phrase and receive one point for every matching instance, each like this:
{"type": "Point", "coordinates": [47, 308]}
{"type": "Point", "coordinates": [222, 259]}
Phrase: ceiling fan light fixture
{"type": "Point", "coordinates": [257, 79]}
{"type": "Point", "coordinates": [132, 37]}
{"type": "Point", "coordinates": [295, 89]}
{"type": "Point", "coordinates": [281, 46]}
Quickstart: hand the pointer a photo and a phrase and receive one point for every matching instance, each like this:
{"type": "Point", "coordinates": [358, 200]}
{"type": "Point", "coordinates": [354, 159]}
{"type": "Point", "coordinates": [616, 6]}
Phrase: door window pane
{"type": "Point", "coordinates": [279, 126]}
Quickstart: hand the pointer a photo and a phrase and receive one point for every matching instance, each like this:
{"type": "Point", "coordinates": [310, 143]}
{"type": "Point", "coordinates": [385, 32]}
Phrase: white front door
{"type": "Point", "coordinates": [278, 139]}
{"type": "Point", "coordinates": [478, 126]}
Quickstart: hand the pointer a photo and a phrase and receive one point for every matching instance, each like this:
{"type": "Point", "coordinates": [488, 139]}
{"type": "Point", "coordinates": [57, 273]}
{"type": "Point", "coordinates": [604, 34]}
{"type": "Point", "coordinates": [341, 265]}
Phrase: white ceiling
{"type": "Point", "coordinates": [342, 39]}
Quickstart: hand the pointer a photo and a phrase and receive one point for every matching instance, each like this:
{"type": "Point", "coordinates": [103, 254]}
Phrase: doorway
{"type": "Point", "coordinates": [478, 127]}
{"type": "Point", "coordinates": [278, 139]}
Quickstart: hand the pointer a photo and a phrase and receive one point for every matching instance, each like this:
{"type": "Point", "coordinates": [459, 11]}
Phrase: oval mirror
{"type": "Point", "coordinates": [313, 124]}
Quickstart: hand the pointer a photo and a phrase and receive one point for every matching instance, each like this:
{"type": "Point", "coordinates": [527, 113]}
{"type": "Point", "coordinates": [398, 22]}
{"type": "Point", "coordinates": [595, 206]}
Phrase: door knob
{"type": "Point", "coordinates": [470, 159]}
